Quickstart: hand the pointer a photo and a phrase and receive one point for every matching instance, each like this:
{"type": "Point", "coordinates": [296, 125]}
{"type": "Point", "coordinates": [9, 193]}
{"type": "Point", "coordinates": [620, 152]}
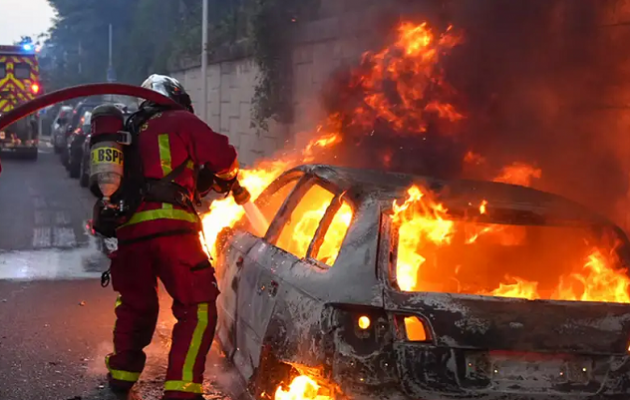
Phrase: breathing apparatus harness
{"type": "Point", "coordinates": [135, 188]}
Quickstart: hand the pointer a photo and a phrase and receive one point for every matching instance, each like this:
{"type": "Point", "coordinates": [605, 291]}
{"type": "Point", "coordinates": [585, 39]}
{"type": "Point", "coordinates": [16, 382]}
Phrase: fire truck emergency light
{"type": "Point", "coordinates": [35, 88]}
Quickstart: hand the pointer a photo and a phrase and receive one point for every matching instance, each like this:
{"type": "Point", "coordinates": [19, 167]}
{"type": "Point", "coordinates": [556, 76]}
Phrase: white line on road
{"type": "Point", "coordinates": [42, 218]}
{"type": "Point", "coordinates": [64, 237]}
{"type": "Point", "coordinates": [41, 237]}
{"type": "Point", "coordinates": [40, 203]}
{"type": "Point", "coordinates": [62, 218]}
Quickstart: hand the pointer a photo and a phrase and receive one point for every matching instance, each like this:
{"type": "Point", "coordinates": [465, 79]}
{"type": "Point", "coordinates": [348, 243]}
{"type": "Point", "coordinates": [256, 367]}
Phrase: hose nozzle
{"type": "Point", "coordinates": [241, 195]}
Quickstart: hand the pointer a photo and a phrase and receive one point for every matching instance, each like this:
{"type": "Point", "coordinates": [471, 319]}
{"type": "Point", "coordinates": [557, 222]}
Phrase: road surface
{"type": "Point", "coordinates": [55, 319]}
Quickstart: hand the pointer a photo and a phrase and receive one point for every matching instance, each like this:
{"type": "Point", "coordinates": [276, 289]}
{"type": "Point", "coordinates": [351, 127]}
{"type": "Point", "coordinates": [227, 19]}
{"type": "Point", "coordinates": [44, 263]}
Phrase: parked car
{"type": "Point", "coordinates": [84, 167]}
{"type": "Point", "coordinates": [58, 128]}
{"type": "Point", "coordinates": [75, 145]}
{"type": "Point", "coordinates": [306, 299]}
{"type": "Point", "coordinates": [74, 123]}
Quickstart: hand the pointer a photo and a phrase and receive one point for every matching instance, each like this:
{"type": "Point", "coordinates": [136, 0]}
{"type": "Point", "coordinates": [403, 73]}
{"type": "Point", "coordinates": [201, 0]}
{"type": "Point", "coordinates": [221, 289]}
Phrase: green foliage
{"type": "Point", "coordinates": [147, 34]}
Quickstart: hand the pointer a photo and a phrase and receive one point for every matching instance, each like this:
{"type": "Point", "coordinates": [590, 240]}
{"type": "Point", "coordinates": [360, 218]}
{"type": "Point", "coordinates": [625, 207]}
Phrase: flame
{"type": "Point", "coordinates": [519, 174]}
{"type": "Point", "coordinates": [417, 224]}
{"type": "Point", "coordinates": [424, 227]}
{"type": "Point", "coordinates": [597, 282]}
{"type": "Point", "coordinates": [301, 388]}
{"type": "Point", "coordinates": [519, 288]}
{"type": "Point", "coordinates": [410, 67]}
{"type": "Point", "coordinates": [225, 213]}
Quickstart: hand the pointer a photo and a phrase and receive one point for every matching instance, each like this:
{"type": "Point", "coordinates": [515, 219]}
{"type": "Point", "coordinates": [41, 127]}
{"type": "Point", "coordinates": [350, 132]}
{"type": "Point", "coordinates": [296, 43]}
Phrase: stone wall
{"type": "Point", "coordinates": [230, 90]}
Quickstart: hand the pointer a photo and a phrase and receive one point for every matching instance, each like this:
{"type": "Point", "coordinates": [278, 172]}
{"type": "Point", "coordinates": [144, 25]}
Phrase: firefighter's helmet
{"type": "Point", "coordinates": [169, 87]}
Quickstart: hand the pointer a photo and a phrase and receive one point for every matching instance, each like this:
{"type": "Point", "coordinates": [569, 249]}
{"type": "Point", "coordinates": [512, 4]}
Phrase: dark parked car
{"type": "Point", "coordinates": [74, 123]}
{"type": "Point", "coordinates": [328, 292]}
{"type": "Point", "coordinates": [84, 167]}
{"type": "Point", "coordinates": [75, 145]}
{"type": "Point", "coordinates": [58, 128]}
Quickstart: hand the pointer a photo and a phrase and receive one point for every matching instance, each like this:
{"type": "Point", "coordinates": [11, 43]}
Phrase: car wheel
{"type": "Point", "coordinates": [56, 148]}
{"type": "Point", "coordinates": [270, 374]}
{"type": "Point", "coordinates": [31, 154]}
{"type": "Point", "coordinates": [74, 168]}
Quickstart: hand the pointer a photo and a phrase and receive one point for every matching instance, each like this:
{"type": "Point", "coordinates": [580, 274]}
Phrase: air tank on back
{"type": "Point", "coordinates": [106, 151]}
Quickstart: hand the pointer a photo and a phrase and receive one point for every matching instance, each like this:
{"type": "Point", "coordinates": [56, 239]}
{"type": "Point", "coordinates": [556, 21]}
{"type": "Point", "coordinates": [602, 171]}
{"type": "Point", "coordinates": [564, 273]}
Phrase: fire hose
{"type": "Point", "coordinates": [241, 196]}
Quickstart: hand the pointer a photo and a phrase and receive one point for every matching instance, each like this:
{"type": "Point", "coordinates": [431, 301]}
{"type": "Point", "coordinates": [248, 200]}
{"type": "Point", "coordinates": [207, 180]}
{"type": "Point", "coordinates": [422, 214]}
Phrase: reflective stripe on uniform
{"type": "Point", "coordinates": [181, 386]}
{"type": "Point", "coordinates": [165, 153]}
{"type": "Point", "coordinates": [165, 161]}
{"type": "Point", "coordinates": [119, 375]}
{"type": "Point", "coordinates": [163, 213]}
{"type": "Point", "coordinates": [187, 384]}
{"type": "Point", "coordinates": [167, 211]}
{"type": "Point", "coordinates": [193, 350]}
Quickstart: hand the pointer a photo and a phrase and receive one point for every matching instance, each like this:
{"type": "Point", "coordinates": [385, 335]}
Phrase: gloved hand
{"type": "Point", "coordinates": [207, 181]}
{"type": "Point", "coordinates": [223, 186]}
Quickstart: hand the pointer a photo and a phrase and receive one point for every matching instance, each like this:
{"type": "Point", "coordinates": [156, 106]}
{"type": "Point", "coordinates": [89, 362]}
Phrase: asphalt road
{"type": "Point", "coordinates": [55, 319]}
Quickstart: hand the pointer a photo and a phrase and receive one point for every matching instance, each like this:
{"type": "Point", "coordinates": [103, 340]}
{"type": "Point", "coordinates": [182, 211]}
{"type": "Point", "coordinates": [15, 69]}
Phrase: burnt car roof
{"type": "Point", "coordinates": [385, 186]}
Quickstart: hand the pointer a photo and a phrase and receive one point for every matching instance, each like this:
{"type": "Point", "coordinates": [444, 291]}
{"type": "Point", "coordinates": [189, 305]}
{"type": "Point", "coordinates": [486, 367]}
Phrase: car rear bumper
{"type": "Point", "coordinates": [413, 372]}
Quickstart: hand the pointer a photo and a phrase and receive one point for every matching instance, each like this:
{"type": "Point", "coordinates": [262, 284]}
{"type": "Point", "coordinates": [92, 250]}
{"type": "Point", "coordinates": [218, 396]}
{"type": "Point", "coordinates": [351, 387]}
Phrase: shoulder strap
{"type": "Point", "coordinates": [175, 172]}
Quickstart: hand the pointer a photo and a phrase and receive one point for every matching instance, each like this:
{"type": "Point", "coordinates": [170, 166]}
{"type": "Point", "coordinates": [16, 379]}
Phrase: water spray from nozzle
{"type": "Point", "coordinates": [243, 198]}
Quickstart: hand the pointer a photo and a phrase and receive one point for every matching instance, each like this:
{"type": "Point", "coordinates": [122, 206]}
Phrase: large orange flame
{"type": "Point", "coordinates": [424, 225]}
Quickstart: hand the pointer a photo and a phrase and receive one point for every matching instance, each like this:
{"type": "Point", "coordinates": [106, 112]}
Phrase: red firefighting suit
{"type": "Point", "coordinates": [161, 240]}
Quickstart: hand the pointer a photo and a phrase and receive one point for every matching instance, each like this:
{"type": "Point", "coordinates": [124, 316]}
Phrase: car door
{"type": "Point", "coordinates": [239, 281]}
{"type": "Point", "coordinates": [287, 242]}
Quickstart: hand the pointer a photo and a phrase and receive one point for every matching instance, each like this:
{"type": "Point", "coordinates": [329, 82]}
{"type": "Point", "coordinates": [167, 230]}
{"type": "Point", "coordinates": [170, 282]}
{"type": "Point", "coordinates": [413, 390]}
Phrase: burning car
{"type": "Point", "coordinates": [378, 284]}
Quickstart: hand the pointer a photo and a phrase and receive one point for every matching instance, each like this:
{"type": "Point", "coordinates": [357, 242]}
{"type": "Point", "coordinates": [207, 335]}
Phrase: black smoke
{"type": "Point", "coordinates": [539, 81]}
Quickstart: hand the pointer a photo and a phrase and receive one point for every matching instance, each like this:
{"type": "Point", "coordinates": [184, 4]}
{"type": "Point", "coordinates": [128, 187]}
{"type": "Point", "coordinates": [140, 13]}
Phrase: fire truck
{"type": "Point", "coordinates": [19, 82]}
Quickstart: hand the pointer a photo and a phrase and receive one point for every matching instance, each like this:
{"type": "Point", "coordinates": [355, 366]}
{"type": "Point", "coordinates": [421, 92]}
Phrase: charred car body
{"type": "Point", "coordinates": [340, 315]}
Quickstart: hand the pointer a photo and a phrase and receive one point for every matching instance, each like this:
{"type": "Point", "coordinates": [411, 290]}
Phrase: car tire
{"type": "Point", "coordinates": [56, 149]}
{"type": "Point", "coordinates": [270, 374]}
{"type": "Point", "coordinates": [74, 168]}
{"type": "Point", "coordinates": [31, 154]}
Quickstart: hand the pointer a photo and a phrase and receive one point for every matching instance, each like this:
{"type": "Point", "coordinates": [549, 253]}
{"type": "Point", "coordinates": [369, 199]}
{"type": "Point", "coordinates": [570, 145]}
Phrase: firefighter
{"type": "Point", "coordinates": [161, 240]}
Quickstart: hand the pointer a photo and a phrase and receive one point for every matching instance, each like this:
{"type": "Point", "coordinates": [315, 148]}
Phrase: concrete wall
{"type": "Point", "coordinates": [230, 90]}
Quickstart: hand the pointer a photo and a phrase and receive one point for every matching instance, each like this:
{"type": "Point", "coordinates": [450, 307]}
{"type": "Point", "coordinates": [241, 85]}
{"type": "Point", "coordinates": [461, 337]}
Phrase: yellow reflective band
{"type": "Point", "coordinates": [165, 153]}
{"type": "Point", "coordinates": [118, 301]}
{"type": "Point", "coordinates": [193, 350]}
{"type": "Point", "coordinates": [164, 213]}
{"type": "Point", "coordinates": [182, 386]}
{"type": "Point", "coordinates": [122, 375]}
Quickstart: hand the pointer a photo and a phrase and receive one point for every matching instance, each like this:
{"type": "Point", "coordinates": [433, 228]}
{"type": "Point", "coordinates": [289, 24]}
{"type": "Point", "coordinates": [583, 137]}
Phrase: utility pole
{"type": "Point", "coordinates": [111, 35]}
{"type": "Point", "coordinates": [204, 61]}
{"type": "Point", "coordinates": [111, 74]}
{"type": "Point", "coordinates": [80, 65]}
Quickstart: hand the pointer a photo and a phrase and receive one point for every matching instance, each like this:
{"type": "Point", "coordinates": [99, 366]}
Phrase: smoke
{"type": "Point", "coordinates": [536, 81]}
{"type": "Point", "coordinates": [535, 76]}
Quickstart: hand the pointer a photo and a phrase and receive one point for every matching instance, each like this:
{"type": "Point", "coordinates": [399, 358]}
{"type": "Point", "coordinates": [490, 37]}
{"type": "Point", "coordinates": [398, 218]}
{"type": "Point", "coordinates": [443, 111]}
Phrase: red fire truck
{"type": "Point", "coordinates": [19, 82]}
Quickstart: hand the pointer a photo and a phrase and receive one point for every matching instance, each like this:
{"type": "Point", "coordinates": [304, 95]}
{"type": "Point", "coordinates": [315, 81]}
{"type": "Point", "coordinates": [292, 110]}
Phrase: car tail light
{"type": "Point", "coordinates": [35, 88]}
{"type": "Point", "coordinates": [412, 328]}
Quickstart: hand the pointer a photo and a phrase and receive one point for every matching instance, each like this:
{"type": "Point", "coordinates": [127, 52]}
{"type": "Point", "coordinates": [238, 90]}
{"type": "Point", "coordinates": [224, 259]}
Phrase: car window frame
{"type": "Point", "coordinates": [292, 201]}
{"type": "Point", "coordinates": [266, 195]}
{"type": "Point", "coordinates": [324, 224]}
